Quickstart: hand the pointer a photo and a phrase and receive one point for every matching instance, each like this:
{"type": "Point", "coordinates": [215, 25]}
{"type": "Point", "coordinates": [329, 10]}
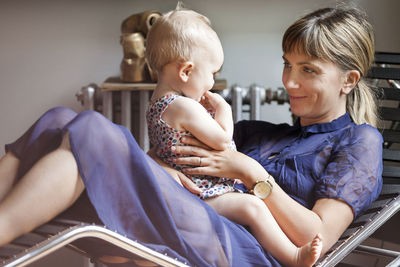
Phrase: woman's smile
{"type": "Point", "coordinates": [294, 98]}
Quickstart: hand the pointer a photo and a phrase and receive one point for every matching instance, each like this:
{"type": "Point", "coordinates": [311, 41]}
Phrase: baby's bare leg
{"type": "Point", "coordinates": [8, 173]}
{"type": "Point", "coordinates": [47, 189]}
{"type": "Point", "coordinates": [251, 211]}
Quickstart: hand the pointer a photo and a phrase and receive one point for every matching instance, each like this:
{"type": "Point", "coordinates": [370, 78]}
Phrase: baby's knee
{"type": "Point", "coordinates": [254, 207]}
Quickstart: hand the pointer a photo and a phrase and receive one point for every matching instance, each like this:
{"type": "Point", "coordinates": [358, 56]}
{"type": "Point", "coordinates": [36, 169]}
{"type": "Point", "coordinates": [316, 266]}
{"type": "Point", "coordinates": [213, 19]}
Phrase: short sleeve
{"type": "Point", "coordinates": [354, 171]}
{"type": "Point", "coordinates": [245, 129]}
{"type": "Point", "coordinates": [252, 133]}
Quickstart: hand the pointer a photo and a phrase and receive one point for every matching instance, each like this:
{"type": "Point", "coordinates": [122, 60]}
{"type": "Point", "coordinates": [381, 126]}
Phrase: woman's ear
{"type": "Point", "coordinates": [351, 79]}
{"type": "Point", "coordinates": [185, 69]}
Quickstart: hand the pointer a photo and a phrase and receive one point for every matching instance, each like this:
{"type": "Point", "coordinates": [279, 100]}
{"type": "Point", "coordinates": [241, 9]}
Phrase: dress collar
{"type": "Point", "coordinates": [334, 125]}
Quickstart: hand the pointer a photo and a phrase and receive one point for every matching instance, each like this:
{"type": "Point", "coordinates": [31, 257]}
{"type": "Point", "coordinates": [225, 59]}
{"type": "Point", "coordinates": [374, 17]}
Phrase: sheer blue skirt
{"type": "Point", "coordinates": [134, 196]}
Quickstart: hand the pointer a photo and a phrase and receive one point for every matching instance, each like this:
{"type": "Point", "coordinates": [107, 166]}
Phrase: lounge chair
{"type": "Point", "coordinates": [88, 236]}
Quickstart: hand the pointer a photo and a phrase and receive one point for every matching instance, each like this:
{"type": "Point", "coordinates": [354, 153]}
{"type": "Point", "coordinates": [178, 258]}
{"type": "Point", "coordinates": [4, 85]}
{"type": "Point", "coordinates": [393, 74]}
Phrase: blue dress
{"type": "Point", "coordinates": [137, 198]}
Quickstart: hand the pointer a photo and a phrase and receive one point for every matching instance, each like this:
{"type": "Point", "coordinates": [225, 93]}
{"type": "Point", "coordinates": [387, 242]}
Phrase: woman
{"type": "Point", "coordinates": [322, 172]}
{"type": "Point", "coordinates": [325, 162]}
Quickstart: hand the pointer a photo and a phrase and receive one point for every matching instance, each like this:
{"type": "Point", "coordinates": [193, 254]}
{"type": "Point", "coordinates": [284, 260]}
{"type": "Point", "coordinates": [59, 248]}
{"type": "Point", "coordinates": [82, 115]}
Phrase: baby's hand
{"type": "Point", "coordinates": [214, 100]}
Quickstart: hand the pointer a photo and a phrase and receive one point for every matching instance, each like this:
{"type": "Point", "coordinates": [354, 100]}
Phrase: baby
{"type": "Point", "coordinates": [186, 53]}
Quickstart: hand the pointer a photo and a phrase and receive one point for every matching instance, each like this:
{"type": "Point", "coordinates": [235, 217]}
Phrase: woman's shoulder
{"type": "Point", "coordinates": [365, 133]}
{"type": "Point", "coordinates": [358, 140]}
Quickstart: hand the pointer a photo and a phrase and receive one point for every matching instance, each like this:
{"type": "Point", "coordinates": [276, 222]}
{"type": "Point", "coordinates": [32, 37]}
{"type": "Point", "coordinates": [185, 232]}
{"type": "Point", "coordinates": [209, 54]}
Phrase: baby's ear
{"type": "Point", "coordinates": [351, 80]}
{"type": "Point", "coordinates": [185, 69]}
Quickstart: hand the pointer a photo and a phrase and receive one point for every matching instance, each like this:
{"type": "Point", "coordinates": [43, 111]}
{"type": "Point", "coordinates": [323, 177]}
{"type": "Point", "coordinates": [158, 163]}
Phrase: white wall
{"type": "Point", "coordinates": [49, 49]}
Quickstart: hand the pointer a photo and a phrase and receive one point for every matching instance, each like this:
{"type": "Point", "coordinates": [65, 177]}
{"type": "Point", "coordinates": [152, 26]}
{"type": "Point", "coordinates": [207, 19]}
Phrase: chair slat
{"type": "Point", "coordinates": [391, 171]}
{"type": "Point", "coordinates": [389, 114]}
{"type": "Point", "coordinates": [387, 58]}
{"type": "Point", "coordinates": [365, 217]}
{"type": "Point", "coordinates": [384, 73]}
{"type": "Point", "coordinates": [390, 93]}
{"type": "Point", "coordinates": [49, 229]}
{"type": "Point", "coordinates": [28, 240]}
{"type": "Point", "coordinates": [391, 136]}
{"type": "Point", "coordinates": [388, 189]}
{"type": "Point", "coordinates": [8, 251]}
{"type": "Point", "coordinates": [390, 180]}
{"type": "Point", "coordinates": [349, 232]}
{"type": "Point", "coordinates": [377, 204]}
{"type": "Point", "coordinates": [391, 154]}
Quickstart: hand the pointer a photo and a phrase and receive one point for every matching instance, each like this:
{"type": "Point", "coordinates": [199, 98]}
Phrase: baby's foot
{"type": "Point", "coordinates": [309, 254]}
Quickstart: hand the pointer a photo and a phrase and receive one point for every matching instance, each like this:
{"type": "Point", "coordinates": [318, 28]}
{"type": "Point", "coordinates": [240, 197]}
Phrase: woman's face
{"type": "Point", "coordinates": [314, 87]}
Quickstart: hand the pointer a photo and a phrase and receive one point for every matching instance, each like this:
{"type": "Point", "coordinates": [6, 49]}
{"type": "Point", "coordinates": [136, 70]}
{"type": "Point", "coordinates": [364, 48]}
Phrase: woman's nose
{"type": "Point", "coordinates": [291, 80]}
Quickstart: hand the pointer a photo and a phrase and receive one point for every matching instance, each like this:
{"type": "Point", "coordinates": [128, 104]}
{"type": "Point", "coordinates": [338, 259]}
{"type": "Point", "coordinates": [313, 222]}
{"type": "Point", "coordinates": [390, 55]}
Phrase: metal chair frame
{"type": "Point", "coordinates": [78, 230]}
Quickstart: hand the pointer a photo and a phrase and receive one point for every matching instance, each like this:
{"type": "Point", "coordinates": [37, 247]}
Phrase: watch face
{"type": "Point", "coordinates": [262, 189]}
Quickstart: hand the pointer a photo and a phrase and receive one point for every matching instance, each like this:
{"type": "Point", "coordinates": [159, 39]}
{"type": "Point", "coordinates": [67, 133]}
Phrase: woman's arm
{"type": "Point", "coordinates": [329, 217]}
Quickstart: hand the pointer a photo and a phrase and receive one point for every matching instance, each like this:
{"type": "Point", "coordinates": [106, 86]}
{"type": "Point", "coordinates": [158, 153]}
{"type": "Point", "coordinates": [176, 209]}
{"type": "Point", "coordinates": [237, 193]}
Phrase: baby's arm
{"type": "Point", "coordinates": [223, 111]}
{"type": "Point", "coordinates": [187, 114]}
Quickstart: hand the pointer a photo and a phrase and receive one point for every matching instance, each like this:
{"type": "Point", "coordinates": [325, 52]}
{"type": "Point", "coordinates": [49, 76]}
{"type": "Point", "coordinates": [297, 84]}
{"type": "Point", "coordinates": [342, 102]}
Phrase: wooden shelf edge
{"type": "Point", "coordinates": [115, 84]}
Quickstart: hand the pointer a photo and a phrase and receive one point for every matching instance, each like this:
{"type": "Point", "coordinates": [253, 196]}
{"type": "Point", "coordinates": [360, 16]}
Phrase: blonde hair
{"type": "Point", "coordinates": [175, 36]}
{"type": "Point", "coordinates": [343, 36]}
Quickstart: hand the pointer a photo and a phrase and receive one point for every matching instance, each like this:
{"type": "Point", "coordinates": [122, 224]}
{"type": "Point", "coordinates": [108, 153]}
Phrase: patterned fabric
{"type": "Point", "coordinates": [163, 136]}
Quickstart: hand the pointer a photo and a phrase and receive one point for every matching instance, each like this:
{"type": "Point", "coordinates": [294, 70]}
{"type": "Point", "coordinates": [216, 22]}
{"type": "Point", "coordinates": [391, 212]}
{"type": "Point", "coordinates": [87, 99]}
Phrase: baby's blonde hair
{"type": "Point", "coordinates": [343, 36]}
{"type": "Point", "coordinates": [175, 36]}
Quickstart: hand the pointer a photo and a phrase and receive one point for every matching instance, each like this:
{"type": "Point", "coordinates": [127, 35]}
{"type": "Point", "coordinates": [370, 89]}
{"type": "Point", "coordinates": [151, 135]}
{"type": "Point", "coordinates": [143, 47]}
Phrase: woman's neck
{"type": "Point", "coordinates": [326, 118]}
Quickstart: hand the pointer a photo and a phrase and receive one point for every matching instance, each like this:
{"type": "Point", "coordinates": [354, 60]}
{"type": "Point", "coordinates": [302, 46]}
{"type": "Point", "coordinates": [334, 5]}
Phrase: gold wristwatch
{"type": "Point", "coordinates": [262, 189]}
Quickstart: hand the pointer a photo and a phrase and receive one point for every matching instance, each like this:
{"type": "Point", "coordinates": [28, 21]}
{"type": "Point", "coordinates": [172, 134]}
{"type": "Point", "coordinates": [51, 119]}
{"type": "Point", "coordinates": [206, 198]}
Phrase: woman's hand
{"type": "Point", "coordinates": [182, 179]}
{"type": "Point", "coordinates": [177, 175]}
{"type": "Point", "coordinates": [226, 163]}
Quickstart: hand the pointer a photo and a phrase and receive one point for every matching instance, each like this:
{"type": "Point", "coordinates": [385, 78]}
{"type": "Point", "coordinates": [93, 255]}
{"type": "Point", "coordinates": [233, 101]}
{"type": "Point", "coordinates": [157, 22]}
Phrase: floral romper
{"type": "Point", "coordinates": [163, 136]}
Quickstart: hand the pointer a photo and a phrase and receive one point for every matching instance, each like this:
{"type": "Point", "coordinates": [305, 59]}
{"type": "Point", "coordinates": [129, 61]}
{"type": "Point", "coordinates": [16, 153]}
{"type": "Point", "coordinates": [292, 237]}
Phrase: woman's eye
{"type": "Point", "coordinates": [286, 65]}
{"type": "Point", "coordinates": [308, 70]}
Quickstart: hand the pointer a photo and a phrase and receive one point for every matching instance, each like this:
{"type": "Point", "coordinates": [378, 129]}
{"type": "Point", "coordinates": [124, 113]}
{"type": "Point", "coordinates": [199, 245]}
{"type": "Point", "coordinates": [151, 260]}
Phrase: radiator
{"type": "Point", "coordinates": [253, 97]}
{"type": "Point", "coordinates": [127, 106]}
